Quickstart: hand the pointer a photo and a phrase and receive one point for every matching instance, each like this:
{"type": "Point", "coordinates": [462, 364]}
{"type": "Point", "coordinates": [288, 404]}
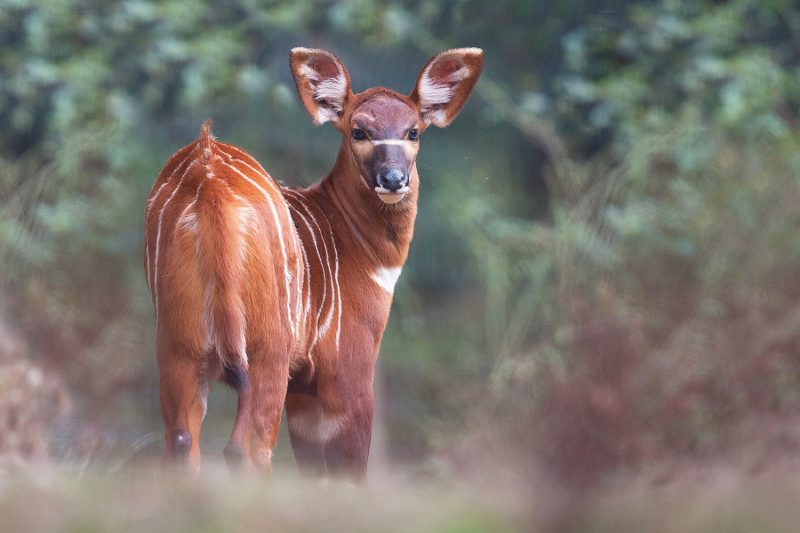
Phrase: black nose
{"type": "Point", "coordinates": [392, 179]}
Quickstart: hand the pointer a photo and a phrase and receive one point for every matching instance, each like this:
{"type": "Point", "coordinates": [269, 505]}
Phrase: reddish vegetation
{"type": "Point", "coordinates": [31, 401]}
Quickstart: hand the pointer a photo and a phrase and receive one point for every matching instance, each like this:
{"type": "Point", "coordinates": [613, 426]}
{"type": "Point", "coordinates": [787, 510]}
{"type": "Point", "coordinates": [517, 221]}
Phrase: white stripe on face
{"type": "Point", "coordinates": [396, 142]}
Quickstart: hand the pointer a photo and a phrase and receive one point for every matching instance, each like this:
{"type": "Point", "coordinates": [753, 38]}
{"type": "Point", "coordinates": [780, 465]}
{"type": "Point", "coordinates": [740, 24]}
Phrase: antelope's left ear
{"type": "Point", "coordinates": [322, 83]}
{"type": "Point", "coordinates": [445, 83]}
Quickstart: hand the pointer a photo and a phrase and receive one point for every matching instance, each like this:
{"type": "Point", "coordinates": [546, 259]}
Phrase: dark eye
{"type": "Point", "coordinates": [413, 134]}
{"type": "Point", "coordinates": [359, 134]}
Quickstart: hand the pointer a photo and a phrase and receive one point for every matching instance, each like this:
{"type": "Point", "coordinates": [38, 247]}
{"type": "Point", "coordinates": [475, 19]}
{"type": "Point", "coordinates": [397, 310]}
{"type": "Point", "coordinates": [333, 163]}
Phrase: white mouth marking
{"type": "Point", "coordinates": [396, 142]}
{"type": "Point", "coordinates": [382, 190]}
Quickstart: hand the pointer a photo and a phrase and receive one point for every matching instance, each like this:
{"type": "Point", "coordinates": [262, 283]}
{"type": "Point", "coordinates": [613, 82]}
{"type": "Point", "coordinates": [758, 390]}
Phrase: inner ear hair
{"type": "Point", "coordinates": [445, 83]}
{"type": "Point", "coordinates": [322, 82]}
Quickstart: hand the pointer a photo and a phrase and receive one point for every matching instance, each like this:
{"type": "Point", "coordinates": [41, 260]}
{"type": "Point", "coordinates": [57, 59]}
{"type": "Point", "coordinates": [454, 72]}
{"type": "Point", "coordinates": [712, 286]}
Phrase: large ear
{"type": "Point", "coordinates": [445, 83]}
{"type": "Point", "coordinates": [322, 82]}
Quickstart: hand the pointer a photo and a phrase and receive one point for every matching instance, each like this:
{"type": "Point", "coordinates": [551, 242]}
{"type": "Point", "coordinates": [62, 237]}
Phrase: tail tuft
{"type": "Point", "coordinates": [235, 376]}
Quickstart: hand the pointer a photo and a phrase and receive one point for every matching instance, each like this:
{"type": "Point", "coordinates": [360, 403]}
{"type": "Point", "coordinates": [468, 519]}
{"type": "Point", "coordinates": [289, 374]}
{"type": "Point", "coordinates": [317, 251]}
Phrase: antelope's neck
{"type": "Point", "coordinates": [361, 221]}
{"type": "Point", "coordinates": [353, 246]}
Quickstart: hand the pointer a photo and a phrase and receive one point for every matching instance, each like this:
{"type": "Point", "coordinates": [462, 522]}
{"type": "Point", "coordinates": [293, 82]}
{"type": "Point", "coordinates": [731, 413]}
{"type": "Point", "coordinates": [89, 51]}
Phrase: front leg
{"type": "Point", "coordinates": [307, 430]}
{"type": "Point", "coordinates": [328, 439]}
{"type": "Point", "coordinates": [345, 390]}
{"type": "Point", "coordinates": [347, 451]}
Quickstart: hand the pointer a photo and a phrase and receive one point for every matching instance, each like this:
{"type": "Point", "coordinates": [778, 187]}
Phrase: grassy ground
{"type": "Point", "coordinates": [149, 499]}
{"type": "Point", "coordinates": [721, 503]}
{"type": "Point", "coordinates": [697, 498]}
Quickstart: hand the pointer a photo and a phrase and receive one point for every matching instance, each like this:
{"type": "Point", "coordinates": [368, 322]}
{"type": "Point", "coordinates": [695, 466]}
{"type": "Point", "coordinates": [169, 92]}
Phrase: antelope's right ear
{"type": "Point", "coordinates": [322, 83]}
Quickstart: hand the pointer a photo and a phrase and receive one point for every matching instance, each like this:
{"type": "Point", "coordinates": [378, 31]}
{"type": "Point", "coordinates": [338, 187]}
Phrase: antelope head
{"type": "Point", "coordinates": [381, 128]}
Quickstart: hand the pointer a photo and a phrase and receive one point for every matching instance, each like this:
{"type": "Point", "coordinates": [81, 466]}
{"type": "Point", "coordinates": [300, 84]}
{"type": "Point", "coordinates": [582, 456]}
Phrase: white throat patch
{"type": "Point", "coordinates": [386, 278]}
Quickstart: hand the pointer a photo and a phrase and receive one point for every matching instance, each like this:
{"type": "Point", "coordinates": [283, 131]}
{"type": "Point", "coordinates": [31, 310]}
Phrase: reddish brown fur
{"type": "Point", "coordinates": [282, 287]}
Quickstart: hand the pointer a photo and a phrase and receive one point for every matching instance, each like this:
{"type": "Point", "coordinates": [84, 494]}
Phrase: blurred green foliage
{"type": "Point", "coordinates": [606, 255]}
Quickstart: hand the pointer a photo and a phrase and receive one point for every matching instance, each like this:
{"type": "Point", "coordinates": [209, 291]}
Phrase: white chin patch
{"type": "Point", "coordinates": [391, 197]}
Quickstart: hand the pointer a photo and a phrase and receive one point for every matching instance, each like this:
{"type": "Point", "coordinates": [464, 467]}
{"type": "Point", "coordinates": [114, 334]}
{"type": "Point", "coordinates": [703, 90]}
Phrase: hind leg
{"type": "Point", "coordinates": [237, 449]}
{"type": "Point", "coordinates": [269, 377]}
{"type": "Point", "coordinates": [184, 389]}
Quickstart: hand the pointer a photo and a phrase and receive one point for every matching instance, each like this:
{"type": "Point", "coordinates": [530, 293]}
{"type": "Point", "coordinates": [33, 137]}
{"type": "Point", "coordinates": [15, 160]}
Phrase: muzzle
{"type": "Point", "coordinates": [392, 185]}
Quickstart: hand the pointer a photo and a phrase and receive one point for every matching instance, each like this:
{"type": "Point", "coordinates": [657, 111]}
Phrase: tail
{"type": "Point", "coordinates": [206, 140]}
{"type": "Point", "coordinates": [221, 252]}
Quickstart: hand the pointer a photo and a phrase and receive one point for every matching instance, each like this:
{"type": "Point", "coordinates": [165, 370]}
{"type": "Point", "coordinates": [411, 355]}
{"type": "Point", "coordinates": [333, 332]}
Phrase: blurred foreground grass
{"type": "Point", "coordinates": [710, 499]}
{"type": "Point", "coordinates": [721, 503]}
{"type": "Point", "coordinates": [152, 499]}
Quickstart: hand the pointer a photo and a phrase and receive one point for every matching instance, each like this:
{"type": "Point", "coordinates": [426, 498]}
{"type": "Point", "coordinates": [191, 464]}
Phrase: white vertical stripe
{"type": "Point", "coordinates": [261, 172]}
{"type": "Point", "coordinates": [185, 217]}
{"type": "Point", "coordinates": [158, 235]}
{"type": "Point", "coordinates": [147, 259]}
{"type": "Point", "coordinates": [279, 230]}
{"type": "Point", "coordinates": [297, 281]}
{"type": "Point", "coordinates": [319, 331]}
{"type": "Point", "coordinates": [324, 285]}
{"type": "Point", "coordinates": [308, 274]}
{"type": "Point", "coordinates": [150, 202]}
{"type": "Point", "coordinates": [338, 289]}
{"type": "Point", "coordinates": [324, 328]}
{"type": "Point", "coordinates": [307, 280]}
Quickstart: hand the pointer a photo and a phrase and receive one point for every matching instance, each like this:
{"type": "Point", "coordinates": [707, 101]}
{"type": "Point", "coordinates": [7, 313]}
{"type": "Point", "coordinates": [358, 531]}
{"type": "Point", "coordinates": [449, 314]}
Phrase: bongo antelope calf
{"type": "Point", "coordinates": [284, 293]}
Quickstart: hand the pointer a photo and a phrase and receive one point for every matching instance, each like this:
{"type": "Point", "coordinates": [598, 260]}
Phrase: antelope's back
{"type": "Point", "coordinates": [221, 248]}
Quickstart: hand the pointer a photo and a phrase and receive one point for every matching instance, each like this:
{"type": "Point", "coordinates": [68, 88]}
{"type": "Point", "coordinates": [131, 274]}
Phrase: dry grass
{"type": "Point", "coordinates": [719, 500]}
{"type": "Point", "coordinates": [150, 499]}
{"type": "Point", "coordinates": [714, 497]}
